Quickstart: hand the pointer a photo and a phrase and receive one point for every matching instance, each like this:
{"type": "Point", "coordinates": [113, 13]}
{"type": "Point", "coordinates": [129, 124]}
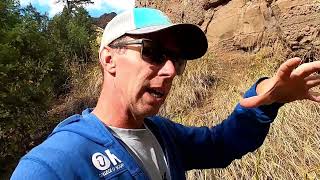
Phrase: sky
{"type": "Point", "coordinates": [96, 9]}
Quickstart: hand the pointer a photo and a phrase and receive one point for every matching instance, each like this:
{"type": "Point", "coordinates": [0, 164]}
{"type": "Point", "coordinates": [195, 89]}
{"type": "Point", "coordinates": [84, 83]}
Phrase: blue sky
{"type": "Point", "coordinates": [98, 8]}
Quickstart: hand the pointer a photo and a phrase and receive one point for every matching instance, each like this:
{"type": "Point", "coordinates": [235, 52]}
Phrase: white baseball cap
{"type": "Point", "coordinates": [191, 40]}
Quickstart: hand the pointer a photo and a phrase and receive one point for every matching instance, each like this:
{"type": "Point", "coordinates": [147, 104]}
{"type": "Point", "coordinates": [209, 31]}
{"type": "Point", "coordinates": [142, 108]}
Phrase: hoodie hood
{"type": "Point", "coordinates": [86, 125]}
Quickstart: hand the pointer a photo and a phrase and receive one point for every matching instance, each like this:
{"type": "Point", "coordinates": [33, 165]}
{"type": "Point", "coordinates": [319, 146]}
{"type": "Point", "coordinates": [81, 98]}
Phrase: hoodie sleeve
{"type": "Point", "coordinates": [216, 147]}
{"type": "Point", "coordinates": [33, 169]}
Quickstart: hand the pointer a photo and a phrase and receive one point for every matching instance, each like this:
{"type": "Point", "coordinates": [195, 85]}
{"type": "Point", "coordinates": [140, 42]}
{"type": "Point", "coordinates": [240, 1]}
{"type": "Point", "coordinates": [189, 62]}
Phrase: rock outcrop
{"type": "Point", "coordinates": [104, 19]}
{"type": "Point", "coordinates": [250, 24]}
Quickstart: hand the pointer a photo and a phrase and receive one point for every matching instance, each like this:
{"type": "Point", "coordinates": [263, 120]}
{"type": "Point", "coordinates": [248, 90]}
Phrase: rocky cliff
{"type": "Point", "coordinates": [250, 24]}
{"type": "Point", "coordinates": [104, 19]}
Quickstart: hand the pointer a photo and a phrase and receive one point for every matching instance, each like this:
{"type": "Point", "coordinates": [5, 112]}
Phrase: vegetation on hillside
{"type": "Point", "coordinates": [36, 54]}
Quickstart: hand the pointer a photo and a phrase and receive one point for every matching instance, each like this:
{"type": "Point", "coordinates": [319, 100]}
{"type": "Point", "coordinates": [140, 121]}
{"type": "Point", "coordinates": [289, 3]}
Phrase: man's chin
{"type": "Point", "coordinates": [149, 111]}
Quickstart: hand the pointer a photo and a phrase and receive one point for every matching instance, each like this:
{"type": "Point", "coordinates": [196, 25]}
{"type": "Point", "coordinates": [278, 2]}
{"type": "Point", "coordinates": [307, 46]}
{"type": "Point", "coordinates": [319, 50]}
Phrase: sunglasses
{"type": "Point", "coordinates": [155, 54]}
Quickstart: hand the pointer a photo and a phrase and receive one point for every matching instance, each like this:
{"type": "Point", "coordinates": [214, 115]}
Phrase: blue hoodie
{"type": "Point", "coordinates": [82, 147]}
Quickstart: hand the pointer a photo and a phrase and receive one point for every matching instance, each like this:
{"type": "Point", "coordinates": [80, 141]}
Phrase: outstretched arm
{"type": "Point", "coordinates": [246, 128]}
{"type": "Point", "coordinates": [216, 147]}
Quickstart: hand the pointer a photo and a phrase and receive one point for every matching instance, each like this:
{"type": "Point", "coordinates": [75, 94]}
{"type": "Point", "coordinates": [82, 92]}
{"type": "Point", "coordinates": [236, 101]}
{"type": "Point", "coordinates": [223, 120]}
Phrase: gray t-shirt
{"type": "Point", "coordinates": [146, 150]}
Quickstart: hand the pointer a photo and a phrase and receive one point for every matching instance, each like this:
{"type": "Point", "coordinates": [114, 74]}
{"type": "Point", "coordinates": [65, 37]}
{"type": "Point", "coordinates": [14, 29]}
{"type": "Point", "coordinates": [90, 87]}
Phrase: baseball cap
{"type": "Point", "coordinates": [190, 39]}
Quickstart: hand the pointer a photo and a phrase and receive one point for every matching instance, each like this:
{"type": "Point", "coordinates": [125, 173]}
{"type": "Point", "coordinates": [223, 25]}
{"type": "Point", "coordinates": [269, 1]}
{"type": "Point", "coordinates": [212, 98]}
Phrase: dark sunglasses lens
{"type": "Point", "coordinates": [152, 53]}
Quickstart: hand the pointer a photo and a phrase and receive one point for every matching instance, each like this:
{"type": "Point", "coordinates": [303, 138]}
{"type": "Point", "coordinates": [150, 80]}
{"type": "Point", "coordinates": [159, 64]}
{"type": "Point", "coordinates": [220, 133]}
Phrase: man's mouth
{"type": "Point", "coordinates": [155, 92]}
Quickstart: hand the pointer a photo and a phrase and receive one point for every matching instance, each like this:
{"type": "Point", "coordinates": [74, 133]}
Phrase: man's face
{"type": "Point", "coordinates": [141, 84]}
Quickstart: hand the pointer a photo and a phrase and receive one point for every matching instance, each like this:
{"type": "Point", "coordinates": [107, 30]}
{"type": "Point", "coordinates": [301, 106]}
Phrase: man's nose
{"type": "Point", "coordinates": [168, 69]}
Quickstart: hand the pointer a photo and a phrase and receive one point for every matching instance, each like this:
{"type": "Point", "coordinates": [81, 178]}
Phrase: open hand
{"type": "Point", "coordinates": [291, 82]}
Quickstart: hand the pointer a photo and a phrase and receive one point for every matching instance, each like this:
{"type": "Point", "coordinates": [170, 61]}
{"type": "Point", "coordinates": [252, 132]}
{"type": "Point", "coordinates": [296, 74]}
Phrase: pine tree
{"type": "Point", "coordinates": [70, 4]}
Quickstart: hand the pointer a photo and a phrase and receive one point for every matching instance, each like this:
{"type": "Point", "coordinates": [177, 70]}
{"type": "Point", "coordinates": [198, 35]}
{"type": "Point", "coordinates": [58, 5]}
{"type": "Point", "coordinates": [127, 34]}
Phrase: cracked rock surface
{"type": "Point", "coordinates": [249, 24]}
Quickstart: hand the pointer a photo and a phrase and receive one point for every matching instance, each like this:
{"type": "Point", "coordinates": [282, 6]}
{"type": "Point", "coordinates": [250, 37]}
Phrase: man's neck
{"type": "Point", "coordinates": [119, 121]}
{"type": "Point", "coordinates": [115, 114]}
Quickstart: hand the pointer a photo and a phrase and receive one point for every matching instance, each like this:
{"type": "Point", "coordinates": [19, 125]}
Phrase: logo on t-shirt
{"type": "Point", "coordinates": [108, 162]}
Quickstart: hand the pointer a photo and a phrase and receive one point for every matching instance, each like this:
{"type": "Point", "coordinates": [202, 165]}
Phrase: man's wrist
{"type": "Point", "coordinates": [263, 86]}
{"type": "Point", "coordinates": [266, 113]}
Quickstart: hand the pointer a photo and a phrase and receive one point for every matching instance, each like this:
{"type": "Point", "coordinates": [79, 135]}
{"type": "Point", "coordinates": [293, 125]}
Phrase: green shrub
{"type": "Point", "coordinates": [34, 56]}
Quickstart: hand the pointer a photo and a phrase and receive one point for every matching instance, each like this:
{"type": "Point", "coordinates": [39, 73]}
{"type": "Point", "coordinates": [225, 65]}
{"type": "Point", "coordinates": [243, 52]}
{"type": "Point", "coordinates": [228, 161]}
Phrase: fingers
{"type": "Point", "coordinates": [312, 81]}
{"type": "Point", "coordinates": [307, 69]}
{"type": "Point", "coordinates": [287, 67]}
{"type": "Point", "coordinates": [314, 96]}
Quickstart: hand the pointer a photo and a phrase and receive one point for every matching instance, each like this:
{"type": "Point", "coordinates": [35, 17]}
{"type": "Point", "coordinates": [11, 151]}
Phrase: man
{"type": "Point", "coordinates": [121, 138]}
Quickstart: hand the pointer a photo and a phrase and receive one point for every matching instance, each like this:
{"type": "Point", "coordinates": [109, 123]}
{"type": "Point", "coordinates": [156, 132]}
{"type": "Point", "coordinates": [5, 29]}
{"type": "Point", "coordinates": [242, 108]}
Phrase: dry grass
{"type": "Point", "coordinates": [292, 148]}
{"type": "Point", "coordinates": [85, 88]}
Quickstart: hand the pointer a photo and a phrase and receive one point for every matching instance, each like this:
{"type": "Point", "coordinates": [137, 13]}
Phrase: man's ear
{"type": "Point", "coordinates": [106, 60]}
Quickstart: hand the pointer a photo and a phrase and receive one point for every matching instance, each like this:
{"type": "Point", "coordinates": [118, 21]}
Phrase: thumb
{"type": "Point", "coordinates": [254, 101]}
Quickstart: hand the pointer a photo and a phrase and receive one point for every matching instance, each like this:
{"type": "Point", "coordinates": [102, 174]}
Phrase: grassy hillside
{"type": "Point", "coordinates": [209, 91]}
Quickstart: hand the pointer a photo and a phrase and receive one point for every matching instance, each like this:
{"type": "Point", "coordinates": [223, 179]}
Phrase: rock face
{"type": "Point", "coordinates": [250, 24]}
{"type": "Point", "coordinates": [104, 19]}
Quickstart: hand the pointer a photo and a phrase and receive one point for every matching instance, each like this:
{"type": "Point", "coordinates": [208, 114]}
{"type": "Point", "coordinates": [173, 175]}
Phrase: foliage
{"type": "Point", "coordinates": [34, 56]}
{"type": "Point", "coordinates": [72, 35]}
